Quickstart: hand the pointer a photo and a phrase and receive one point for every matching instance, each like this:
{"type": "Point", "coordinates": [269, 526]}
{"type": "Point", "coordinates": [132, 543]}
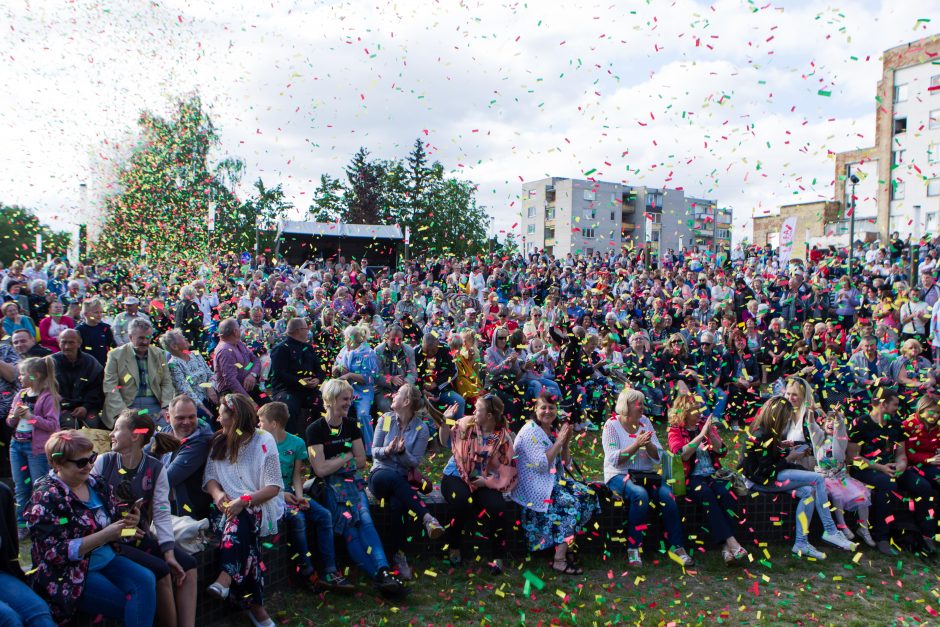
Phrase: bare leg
{"type": "Point", "coordinates": [186, 600]}
{"type": "Point", "coordinates": [166, 607]}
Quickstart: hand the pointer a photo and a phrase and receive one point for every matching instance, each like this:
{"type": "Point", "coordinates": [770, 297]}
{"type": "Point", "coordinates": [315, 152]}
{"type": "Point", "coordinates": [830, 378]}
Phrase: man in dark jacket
{"type": "Point", "coordinates": [436, 375]}
{"type": "Point", "coordinates": [80, 379]}
{"type": "Point", "coordinates": [296, 373]}
{"type": "Point", "coordinates": [186, 465]}
{"type": "Point", "coordinates": [188, 316]}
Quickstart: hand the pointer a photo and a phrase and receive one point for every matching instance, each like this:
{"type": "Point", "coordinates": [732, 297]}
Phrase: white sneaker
{"type": "Point", "coordinates": [839, 540]}
{"type": "Point", "coordinates": [401, 565]}
{"type": "Point", "coordinates": [865, 534]}
{"type": "Point", "coordinates": [808, 550]}
{"type": "Point", "coordinates": [847, 533]}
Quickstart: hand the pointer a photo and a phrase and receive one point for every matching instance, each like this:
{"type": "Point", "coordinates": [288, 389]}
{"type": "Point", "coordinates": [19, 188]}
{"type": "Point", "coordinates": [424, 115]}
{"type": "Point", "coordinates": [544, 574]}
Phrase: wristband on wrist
{"type": "Point", "coordinates": [246, 498]}
{"type": "Point", "coordinates": [692, 445]}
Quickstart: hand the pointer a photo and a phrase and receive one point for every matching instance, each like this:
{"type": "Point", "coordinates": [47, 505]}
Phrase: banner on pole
{"type": "Point", "coordinates": [787, 233]}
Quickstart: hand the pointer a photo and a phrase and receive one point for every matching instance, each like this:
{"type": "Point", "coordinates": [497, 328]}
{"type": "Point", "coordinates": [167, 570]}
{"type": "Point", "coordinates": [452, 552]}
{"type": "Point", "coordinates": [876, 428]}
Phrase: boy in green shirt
{"type": "Point", "coordinates": [299, 511]}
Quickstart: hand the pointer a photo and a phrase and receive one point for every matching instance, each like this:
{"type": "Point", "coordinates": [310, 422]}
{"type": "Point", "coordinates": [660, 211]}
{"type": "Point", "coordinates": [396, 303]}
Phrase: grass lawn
{"type": "Point", "coordinates": [848, 589]}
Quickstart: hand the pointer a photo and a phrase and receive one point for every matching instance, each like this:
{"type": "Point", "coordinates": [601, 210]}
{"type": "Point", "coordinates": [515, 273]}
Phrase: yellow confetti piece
{"type": "Point", "coordinates": [804, 522]}
{"type": "Point", "coordinates": [129, 532]}
{"type": "Point", "coordinates": [561, 594]}
{"type": "Point", "coordinates": [430, 573]}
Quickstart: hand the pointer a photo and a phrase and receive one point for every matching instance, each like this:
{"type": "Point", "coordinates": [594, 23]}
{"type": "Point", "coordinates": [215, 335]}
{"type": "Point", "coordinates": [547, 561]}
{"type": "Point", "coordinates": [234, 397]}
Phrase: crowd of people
{"type": "Point", "coordinates": [285, 403]}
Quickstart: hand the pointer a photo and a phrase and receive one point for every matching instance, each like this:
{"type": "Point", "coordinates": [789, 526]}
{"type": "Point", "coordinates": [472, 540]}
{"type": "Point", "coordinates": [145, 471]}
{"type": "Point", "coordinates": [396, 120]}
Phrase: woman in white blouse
{"type": "Point", "coordinates": [243, 477]}
{"type": "Point", "coordinates": [631, 454]}
{"type": "Point", "coordinates": [554, 508]}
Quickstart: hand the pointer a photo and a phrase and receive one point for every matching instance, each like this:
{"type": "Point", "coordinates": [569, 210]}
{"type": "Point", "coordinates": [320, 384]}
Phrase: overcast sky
{"type": "Point", "coordinates": [741, 101]}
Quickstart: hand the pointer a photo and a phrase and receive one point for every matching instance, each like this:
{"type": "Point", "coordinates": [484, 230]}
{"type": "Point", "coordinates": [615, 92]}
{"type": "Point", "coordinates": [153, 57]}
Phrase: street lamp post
{"type": "Point", "coordinates": [854, 179]}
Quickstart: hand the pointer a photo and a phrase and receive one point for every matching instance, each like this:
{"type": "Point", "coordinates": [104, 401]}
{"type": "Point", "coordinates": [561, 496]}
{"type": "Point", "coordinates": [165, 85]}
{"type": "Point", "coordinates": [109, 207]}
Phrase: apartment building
{"type": "Point", "coordinates": [583, 216]}
{"type": "Point", "coordinates": [899, 177]}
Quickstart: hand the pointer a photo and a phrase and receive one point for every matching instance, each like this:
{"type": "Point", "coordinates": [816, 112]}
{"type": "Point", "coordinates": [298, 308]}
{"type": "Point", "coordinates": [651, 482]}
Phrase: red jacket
{"type": "Point", "coordinates": [923, 442]}
{"type": "Point", "coordinates": [680, 436]}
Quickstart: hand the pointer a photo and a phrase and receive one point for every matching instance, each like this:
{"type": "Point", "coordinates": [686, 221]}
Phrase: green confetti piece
{"type": "Point", "coordinates": [823, 92]}
{"type": "Point", "coordinates": [532, 578]}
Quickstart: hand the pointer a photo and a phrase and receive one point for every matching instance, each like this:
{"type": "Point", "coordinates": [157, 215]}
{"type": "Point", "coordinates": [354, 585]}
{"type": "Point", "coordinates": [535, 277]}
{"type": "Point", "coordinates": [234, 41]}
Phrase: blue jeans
{"type": "Point", "coordinates": [122, 591]}
{"type": "Point", "coordinates": [19, 605]}
{"type": "Point", "coordinates": [449, 397]}
{"type": "Point", "coordinates": [535, 387]}
{"type": "Point", "coordinates": [639, 500]}
{"type": "Point", "coordinates": [363, 543]}
{"type": "Point", "coordinates": [27, 469]}
{"type": "Point", "coordinates": [810, 488]}
{"type": "Point", "coordinates": [719, 402]}
{"type": "Point", "coordinates": [718, 504]}
{"type": "Point", "coordinates": [321, 520]}
{"type": "Point", "coordinates": [362, 405]}
{"type": "Point", "coordinates": [404, 505]}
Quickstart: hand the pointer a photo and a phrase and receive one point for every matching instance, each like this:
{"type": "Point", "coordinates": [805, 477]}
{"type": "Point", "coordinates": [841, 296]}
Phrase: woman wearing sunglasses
{"type": "Point", "coordinates": [76, 562]}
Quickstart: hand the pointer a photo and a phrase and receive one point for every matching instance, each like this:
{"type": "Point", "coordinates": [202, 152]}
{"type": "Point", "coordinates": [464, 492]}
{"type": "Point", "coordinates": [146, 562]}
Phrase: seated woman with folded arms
{"type": "Point", "coordinates": [481, 470]}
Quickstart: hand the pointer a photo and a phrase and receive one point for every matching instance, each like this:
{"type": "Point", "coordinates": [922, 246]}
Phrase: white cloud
{"type": "Point", "coordinates": [720, 98]}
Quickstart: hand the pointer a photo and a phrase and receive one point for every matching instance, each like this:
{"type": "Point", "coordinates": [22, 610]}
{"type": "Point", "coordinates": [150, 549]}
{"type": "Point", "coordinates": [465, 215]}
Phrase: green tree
{"type": "Point", "coordinates": [18, 230]}
{"type": "Point", "coordinates": [364, 197]}
{"type": "Point", "coordinates": [329, 203]}
{"type": "Point", "coordinates": [167, 192]}
{"type": "Point", "coordinates": [268, 206]}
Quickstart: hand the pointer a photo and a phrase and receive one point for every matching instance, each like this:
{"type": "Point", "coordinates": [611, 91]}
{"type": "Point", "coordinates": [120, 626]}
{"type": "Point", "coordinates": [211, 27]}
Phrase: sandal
{"type": "Point", "coordinates": [569, 569]}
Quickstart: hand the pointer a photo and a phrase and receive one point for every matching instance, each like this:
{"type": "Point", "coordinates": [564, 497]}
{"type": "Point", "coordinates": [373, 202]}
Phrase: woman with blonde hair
{"type": "Point", "coordinates": [463, 345]}
{"type": "Point", "coordinates": [701, 448]}
{"type": "Point", "coordinates": [632, 453]}
{"type": "Point", "coordinates": [337, 453]}
{"type": "Point", "coordinates": [358, 365]}
{"type": "Point", "coordinates": [798, 437]}
{"type": "Point", "coordinates": [768, 466]}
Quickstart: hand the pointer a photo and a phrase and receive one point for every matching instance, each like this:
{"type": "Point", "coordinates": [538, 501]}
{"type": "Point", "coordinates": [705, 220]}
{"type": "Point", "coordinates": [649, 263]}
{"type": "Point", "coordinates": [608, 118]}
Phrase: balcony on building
{"type": "Point", "coordinates": [549, 193]}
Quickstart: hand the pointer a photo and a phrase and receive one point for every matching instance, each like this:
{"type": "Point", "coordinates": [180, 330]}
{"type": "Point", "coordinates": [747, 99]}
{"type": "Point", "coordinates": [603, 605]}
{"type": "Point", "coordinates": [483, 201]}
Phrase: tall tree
{"type": "Point", "coordinates": [364, 198]}
{"type": "Point", "coordinates": [268, 206]}
{"type": "Point", "coordinates": [328, 200]}
{"type": "Point", "coordinates": [167, 192]}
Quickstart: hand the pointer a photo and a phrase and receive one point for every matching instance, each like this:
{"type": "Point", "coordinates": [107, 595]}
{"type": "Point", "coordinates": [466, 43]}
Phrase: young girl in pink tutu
{"type": "Point", "coordinates": [845, 493]}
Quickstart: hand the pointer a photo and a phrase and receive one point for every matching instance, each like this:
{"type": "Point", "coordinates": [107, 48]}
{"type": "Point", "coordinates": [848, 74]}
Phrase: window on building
{"type": "Point", "coordinates": [656, 218]}
{"type": "Point", "coordinates": [590, 194]}
{"type": "Point", "coordinates": [934, 85]}
{"type": "Point", "coordinates": [589, 251]}
{"type": "Point", "coordinates": [531, 229]}
{"type": "Point", "coordinates": [933, 153]}
{"type": "Point", "coordinates": [935, 118]}
{"type": "Point", "coordinates": [897, 190]}
{"type": "Point", "coordinates": [549, 233]}
{"type": "Point", "coordinates": [654, 236]}
{"type": "Point", "coordinates": [900, 93]}
{"type": "Point", "coordinates": [897, 157]}
{"type": "Point", "coordinates": [654, 200]}
{"type": "Point", "coordinates": [933, 187]}
{"type": "Point", "coordinates": [614, 198]}
{"type": "Point", "coordinates": [900, 125]}
{"type": "Point", "coordinates": [588, 233]}
{"type": "Point", "coordinates": [532, 193]}
{"type": "Point", "coordinates": [590, 214]}
{"type": "Point", "coordinates": [531, 212]}
{"type": "Point", "coordinates": [549, 213]}
{"type": "Point", "coordinates": [612, 214]}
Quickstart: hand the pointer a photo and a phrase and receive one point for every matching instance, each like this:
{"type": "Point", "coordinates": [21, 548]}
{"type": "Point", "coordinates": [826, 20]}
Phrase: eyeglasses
{"type": "Point", "coordinates": [502, 337]}
{"type": "Point", "coordinates": [84, 461]}
{"type": "Point", "coordinates": [706, 343]}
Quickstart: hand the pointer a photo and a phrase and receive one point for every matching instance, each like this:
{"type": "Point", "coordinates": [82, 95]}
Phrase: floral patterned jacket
{"type": "Point", "coordinates": [55, 518]}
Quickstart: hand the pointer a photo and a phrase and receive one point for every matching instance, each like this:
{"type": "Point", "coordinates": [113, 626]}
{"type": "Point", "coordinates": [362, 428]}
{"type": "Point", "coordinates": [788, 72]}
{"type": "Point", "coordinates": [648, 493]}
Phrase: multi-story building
{"type": "Point", "coordinates": [899, 177]}
{"type": "Point", "coordinates": [562, 215]}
